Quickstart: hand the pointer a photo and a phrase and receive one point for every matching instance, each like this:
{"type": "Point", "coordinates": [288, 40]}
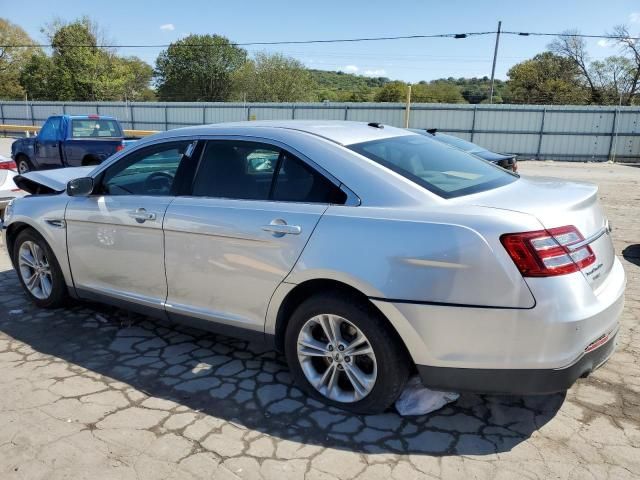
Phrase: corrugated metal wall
{"type": "Point", "coordinates": [531, 131]}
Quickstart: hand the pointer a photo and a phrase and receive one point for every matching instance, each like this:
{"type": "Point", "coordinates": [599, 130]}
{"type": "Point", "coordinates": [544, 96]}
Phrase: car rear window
{"type": "Point", "coordinates": [445, 171]}
{"type": "Point", "coordinates": [102, 127]}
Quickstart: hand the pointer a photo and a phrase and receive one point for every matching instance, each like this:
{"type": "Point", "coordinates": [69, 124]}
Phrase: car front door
{"type": "Point", "coordinates": [114, 236]}
{"type": "Point", "coordinates": [47, 145]}
{"type": "Point", "coordinates": [252, 209]}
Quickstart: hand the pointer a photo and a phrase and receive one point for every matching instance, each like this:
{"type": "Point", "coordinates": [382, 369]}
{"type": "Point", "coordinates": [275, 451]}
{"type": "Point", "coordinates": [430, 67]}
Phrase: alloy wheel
{"type": "Point", "coordinates": [337, 358]}
{"type": "Point", "coordinates": [35, 270]}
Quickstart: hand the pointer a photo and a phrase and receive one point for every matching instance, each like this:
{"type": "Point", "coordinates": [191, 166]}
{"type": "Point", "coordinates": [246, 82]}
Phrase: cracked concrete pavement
{"type": "Point", "coordinates": [93, 392]}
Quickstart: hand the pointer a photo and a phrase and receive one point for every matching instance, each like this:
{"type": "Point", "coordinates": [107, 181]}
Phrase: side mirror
{"type": "Point", "coordinates": [80, 187]}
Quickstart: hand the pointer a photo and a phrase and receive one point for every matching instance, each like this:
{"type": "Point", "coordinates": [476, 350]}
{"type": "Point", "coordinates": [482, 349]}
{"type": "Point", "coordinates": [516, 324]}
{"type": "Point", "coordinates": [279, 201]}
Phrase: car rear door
{"type": "Point", "coordinates": [228, 245]}
{"type": "Point", "coordinates": [115, 240]}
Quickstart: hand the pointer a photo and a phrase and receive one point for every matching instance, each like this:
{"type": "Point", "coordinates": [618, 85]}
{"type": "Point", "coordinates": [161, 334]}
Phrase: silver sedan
{"type": "Point", "coordinates": [366, 253]}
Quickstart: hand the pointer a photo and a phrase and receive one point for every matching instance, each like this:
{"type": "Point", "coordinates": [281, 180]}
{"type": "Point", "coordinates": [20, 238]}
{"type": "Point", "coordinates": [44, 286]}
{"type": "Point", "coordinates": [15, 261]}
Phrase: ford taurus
{"type": "Point", "coordinates": [364, 252]}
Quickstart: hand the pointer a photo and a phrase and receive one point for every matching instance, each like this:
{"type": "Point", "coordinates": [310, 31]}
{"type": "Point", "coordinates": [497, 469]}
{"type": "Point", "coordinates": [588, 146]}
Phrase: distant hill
{"type": "Point", "coordinates": [341, 86]}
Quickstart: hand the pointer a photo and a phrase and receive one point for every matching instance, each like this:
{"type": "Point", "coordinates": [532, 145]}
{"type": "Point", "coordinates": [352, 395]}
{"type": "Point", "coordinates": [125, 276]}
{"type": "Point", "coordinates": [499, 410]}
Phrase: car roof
{"type": "Point", "coordinates": [88, 116]}
{"type": "Point", "coordinates": [338, 131]}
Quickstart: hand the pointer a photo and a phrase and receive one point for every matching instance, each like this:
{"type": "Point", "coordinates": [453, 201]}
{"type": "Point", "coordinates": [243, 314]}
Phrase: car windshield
{"type": "Point", "coordinates": [444, 171]}
{"type": "Point", "coordinates": [102, 127]}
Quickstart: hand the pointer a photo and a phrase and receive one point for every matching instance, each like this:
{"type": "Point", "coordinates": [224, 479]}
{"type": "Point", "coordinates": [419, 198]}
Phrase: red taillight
{"type": "Point", "coordinates": [120, 147]}
{"type": "Point", "coordinates": [93, 117]}
{"type": "Point", "coordinates": [8, 165]}
{"type": "Point", "coordinates": [546, 253]}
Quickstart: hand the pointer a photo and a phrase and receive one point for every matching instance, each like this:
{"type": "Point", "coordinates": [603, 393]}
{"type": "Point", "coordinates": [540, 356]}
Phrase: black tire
{"type": "Point", "coordinates": [90, 161]}
{"type": "Point", "coordinates": [59, 294]}
{"type": "Point", "coordinates": [393, 363]}
{"type": "Point", "coordinates": [23, 164]}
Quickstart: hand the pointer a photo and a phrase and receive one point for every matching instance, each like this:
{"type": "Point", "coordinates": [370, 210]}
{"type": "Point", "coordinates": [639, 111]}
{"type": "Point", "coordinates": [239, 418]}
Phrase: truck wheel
{"type": "Point", "coordinates": [24, 164]}
{"type": "Point", "coordinates": [90, 161]}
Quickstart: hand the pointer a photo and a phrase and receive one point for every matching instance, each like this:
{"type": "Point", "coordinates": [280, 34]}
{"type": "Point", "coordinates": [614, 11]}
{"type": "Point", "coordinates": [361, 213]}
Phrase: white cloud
{"type": "Point", "coordinates": [634, 17]}
{"type": "Point", "coordinates": [168, 27]}
{"type": "Point", "coordinates": [380, 72]}
{"type": "Point", "coordinates": [604, 43]}
{"type": "Point", "coordinates": [351, 69]}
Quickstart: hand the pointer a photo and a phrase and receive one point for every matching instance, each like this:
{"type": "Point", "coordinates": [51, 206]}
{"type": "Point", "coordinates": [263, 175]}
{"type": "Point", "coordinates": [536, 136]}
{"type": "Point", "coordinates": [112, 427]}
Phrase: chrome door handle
{"type": "Point", "coordinates": [279, 228]}
{"type": "Point", "coordinates": [141, 215]}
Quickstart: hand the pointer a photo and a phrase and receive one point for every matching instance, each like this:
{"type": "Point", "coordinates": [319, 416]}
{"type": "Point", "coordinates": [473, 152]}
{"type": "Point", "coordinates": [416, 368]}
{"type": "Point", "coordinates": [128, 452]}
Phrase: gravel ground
{"type": "Point", "coordinates": [91, 392]}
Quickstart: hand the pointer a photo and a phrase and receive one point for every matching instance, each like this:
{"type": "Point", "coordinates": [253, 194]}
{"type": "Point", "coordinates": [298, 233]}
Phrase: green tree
{"type": "Point", "coordinates": [436, 92]}
{"type": "Point", "coordinates": [79, 69]}
{"type": "Point", "coordinates": [392, 92]}
{"type": "Point", "coordinates": [274, 78]}
{"type": "Point", "coordinates": [36, 78]}
{"type": "Point", "coordinates": [574, 49]}
{"type": "Point", "coordinates": [198, 68]}
{"type": "Point", "coordinates": [631, 47]}
{"type": "Point", "coordinates": [13, 59]}
{"type": "Point", "coordinates": [547, 78]}
{"type": "Point", "coordinates": [616, 78]}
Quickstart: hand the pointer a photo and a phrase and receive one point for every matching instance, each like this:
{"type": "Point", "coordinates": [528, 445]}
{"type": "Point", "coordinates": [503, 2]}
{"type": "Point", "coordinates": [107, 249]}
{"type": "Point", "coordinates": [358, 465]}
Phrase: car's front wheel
{"type": "Point", "coordinates": [343, 352]}
{"type": "Point", "coordinates": [38, 270]}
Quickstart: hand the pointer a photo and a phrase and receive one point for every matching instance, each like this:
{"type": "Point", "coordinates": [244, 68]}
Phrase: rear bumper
{"type": "Point", "coordinates": [540, 349]}
{"type": "Point", "coordinates": [516, 381]}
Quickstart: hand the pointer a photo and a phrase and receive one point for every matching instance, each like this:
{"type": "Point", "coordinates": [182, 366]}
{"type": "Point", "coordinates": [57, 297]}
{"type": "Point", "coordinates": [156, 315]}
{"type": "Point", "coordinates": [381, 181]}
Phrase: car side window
{"type": "Point", "coordinates": [50, 129]}
{"type": "Point", "coordinates": [256, 171]}
{"type": "Point", "coordinates": [298, 182]}
{"type": "Point", "coordinates": [236, 169]}
{"type": "Point", "coordinates": [148, 171]}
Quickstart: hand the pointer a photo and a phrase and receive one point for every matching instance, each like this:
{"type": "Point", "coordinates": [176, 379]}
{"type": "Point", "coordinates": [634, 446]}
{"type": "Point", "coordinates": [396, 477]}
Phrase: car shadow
{"type": "Point", "coordinates": [249, 385]}
{"type": "Point", "coordinates": [632, 254]}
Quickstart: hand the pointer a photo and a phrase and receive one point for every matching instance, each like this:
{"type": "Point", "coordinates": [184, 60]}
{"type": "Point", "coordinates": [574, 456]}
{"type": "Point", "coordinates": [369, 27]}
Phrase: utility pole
{"type": "Point", "coordinates": [495, 57]}
{"type": "Point", "coordinates": [407, 110]}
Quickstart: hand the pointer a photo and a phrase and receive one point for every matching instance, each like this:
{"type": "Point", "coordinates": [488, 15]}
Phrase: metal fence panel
{"type": "Point", "coordinates": [533, 131]}
{"type": "Point", "coordinates": [522, 145]}
{"type": "Point", "coordinates": [453, 120]}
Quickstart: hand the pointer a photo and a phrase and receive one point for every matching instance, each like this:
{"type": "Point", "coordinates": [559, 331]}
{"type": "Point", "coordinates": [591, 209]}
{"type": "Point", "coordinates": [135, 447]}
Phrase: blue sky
{"type": "Point", "coordinates": [162, 21]}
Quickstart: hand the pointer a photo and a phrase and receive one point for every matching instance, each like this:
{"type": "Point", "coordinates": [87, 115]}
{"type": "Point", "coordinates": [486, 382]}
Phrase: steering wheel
{"type": "Point", "coordinates": [158, 182]}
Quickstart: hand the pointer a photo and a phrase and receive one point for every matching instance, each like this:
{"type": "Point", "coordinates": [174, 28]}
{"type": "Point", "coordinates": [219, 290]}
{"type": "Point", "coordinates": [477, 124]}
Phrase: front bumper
{"type": "Point", "coordinates": [516, 381]}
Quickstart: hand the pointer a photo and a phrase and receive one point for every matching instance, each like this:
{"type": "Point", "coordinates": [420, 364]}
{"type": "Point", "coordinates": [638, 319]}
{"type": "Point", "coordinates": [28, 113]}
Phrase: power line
{"type": "Point", "coordinates": [565, 34]}
{"type": "Point", "coordinates": [338, 40]}
{"type": "Point", "coordinates": [282, 42]}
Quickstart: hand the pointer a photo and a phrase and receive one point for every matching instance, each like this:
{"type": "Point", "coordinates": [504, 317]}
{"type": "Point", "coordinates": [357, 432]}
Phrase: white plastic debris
{"type": "Point", "coordinates": [416, 399]}
{"type": "Point", "coordinates": [16, 312]}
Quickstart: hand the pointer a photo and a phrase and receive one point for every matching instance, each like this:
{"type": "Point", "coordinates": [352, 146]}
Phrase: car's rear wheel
{"type": "Point", "coordinates": [343, 352]}
{"type": "Point", "coordinates": [38, 270]}
{"type": "Point", "coordinates": [24, 164]}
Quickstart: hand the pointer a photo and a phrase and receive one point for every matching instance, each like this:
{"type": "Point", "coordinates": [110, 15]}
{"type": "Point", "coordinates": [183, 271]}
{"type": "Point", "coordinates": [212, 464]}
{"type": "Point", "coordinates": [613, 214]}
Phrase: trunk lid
{"type": "Point", "coordinates": [556, 203]}
{"type": "Point", "coordinates": [50, 181]}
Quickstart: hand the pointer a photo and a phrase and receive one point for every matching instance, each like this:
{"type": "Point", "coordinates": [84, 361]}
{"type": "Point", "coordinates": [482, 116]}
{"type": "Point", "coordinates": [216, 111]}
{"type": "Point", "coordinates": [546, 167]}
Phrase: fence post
{"type": "Point", "coordinates": [293, 111]}
{"type": "Point", "coordinates": [249, 113]}
{"type": "Point", "coordinates": [473, 121]}
{"type": "Point", "coordinates": [613, 139]}
{"type": "Point", "coordinates": [204, 114]}
{"type": "Point", "coordinates": [64, 108]}
{"type": "Point", "coordinates": [346, 112]}
{"type": "Point", "coordinates": [97, 109]}
{"type": "Point", "coordinates": [1, 112]}
{"type": "Point", "coordinates": [541, 134]}
{"type": "Point", "coordinates": [166, 118]}
{"type": "Point", "coordinates": [33, 119]}
{"type": "Point", "coordinates": [133, 122]}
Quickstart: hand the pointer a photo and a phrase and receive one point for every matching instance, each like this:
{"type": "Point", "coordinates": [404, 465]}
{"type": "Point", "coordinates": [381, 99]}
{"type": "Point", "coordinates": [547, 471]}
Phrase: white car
{"type": "Point", "coordinates": [8, 188]}
{"type": "Point", "coordinates": [364, 252]}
